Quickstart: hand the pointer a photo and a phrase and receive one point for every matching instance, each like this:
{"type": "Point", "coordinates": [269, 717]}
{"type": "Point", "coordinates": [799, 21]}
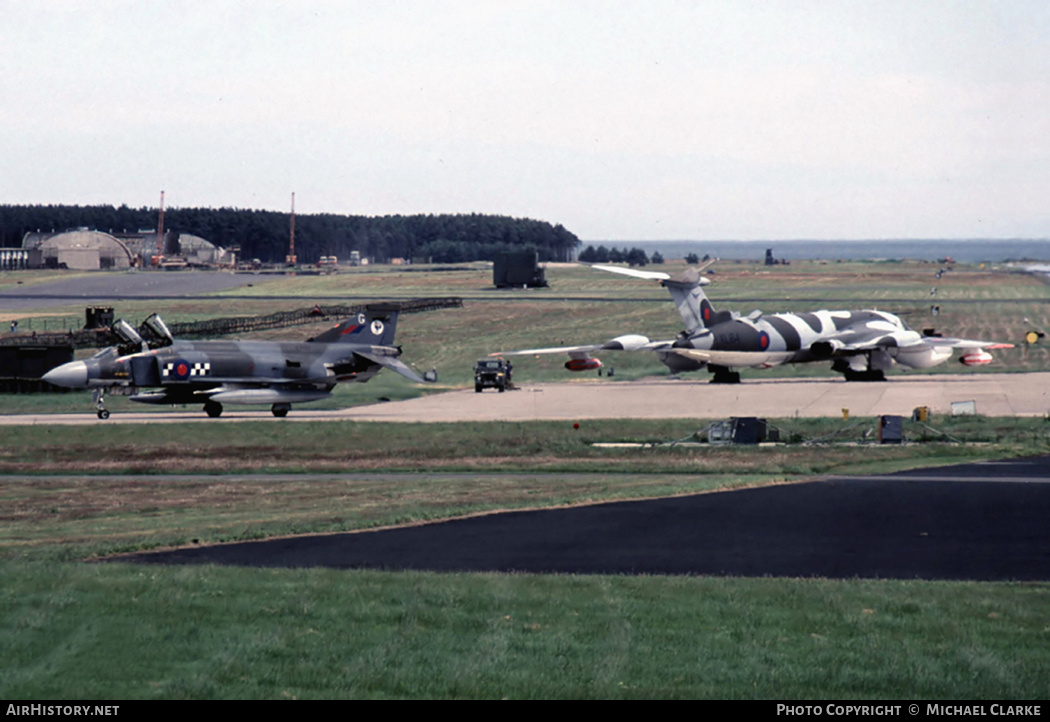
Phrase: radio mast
{"type": "Point", "coordinates": [160, 227]}
{"type": "Point", "coordinates": [290, 259]}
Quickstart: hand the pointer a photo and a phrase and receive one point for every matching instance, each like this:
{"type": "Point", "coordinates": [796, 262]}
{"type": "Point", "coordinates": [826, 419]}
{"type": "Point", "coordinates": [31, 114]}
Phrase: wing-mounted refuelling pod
{"type": "Point", "coordinates": [582, 362]}
{"type": "Point", "coordinates": [980, 357]}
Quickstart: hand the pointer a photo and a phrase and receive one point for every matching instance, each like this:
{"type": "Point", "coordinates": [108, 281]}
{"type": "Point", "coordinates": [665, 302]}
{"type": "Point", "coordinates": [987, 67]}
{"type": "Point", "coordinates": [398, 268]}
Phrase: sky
{"type": "Point", "coordinates": [621, 120]}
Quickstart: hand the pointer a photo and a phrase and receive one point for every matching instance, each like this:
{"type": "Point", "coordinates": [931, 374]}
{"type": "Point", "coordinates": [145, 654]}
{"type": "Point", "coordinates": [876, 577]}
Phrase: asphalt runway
{"type": "Point", "coordinates": [983, 522]}
{"type": "Point", "coordinates": [691, 397]}
{"type": "Point", "coordinates": [113, 286]}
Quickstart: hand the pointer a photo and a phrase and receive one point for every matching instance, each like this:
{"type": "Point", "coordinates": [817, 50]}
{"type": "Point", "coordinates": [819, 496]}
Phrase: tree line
{"type": "Point", "coordinates": [445, 238]}
{"type": "Point", "coordinates": [634, 256]}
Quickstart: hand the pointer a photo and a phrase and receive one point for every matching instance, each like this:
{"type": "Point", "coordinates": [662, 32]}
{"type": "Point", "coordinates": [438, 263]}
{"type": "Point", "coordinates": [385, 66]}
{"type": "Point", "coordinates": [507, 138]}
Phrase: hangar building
{"type": "Point", "coordinates": [81, 249]}
{"type": "Point", "coordinates": [84, 249]}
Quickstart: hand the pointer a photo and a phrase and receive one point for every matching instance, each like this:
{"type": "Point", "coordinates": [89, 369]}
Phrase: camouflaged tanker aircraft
{"type": "Point", "coordinates": [861, 345]}
{"type": "Point", "coordinates": [214, 373]}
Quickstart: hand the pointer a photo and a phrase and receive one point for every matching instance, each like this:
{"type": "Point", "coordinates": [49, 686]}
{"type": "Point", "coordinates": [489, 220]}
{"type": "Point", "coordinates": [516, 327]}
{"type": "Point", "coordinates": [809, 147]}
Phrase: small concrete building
{"type": "Point", "coordinates": [13, 259]}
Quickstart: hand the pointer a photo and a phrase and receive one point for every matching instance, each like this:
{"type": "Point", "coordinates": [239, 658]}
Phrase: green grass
{"type": "Point", "coordinates": [538, 446]}
{"type": "Point", "coordinates": [74, 630]}
{"type": "Point", "coordinates": [116, 631]}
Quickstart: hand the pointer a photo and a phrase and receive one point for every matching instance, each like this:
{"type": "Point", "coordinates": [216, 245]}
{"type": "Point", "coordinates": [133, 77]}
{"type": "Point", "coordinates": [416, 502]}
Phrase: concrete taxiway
{"type": "Point", "coordinates": [688, 398]}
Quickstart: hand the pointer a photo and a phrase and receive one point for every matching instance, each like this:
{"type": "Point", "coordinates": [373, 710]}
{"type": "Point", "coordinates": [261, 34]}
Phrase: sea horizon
{"type": "Point", "coordinates": [936, 250]}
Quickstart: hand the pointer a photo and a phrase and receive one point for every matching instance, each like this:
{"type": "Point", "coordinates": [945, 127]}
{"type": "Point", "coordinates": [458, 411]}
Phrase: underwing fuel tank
{"type": "Point", "coordinates": [922, 356]}
{"type": "Point", "coordinates": [269, 396]}
{"type": "Point", "coordinates": [235, 396]}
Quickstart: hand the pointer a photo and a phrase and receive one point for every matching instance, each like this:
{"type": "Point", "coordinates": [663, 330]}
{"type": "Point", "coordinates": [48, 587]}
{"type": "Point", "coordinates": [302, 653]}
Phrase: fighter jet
{"type": "Point", "coordinates": [861, 345]}
{"type": "Point", "coordinates": [214, 373]}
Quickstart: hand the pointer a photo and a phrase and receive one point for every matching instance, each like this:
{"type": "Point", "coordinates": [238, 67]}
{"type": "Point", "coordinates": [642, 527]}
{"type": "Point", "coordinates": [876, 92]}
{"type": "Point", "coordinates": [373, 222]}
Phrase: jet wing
{"type": "Point", "coordinates": [863, 342]}
{"type": "Point", "coordinates": [650, 275]}
{"type": "Point", "coordinates": [627, 342]}
{"type": "Point", "coordinates": [734, 359]}
{"type": "Point", "coordinates": [574, 351]}
{"type": "Point", "coordinates": [395, 364]}
{"type": "Point", "coordinates": [964, 343]}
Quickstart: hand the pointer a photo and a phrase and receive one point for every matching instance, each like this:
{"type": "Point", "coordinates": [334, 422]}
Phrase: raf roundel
{"type": "Point", "coordinates": [763, 340]}
{"type": "Point", "coordinates": [180, 369]}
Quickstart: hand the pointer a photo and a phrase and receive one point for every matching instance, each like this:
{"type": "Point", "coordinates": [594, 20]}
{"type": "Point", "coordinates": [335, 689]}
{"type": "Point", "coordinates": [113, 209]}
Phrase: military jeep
{"type": "Point", "coordinates": [491, 374]}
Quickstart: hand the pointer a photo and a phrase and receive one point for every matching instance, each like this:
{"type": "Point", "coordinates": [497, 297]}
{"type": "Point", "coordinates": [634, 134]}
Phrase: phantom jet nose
{"type": "Point", "coordinates": [72, 375]}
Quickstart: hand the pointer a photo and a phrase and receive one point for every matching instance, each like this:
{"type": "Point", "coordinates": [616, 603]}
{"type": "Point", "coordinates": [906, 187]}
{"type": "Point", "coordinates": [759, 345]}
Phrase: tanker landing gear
{"type": "Point", "coordinates": [851, 374]}
{"type": "Point", "coordinates": [100, 404]}
{"type": "Point", "coordinates": [723, 375]}
{"type": "Point", "coordinates": [869, 375]}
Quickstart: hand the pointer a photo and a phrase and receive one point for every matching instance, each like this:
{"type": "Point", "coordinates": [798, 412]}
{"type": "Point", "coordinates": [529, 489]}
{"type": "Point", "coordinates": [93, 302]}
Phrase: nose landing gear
{"type": "Point", "coordinates": [100, 404]}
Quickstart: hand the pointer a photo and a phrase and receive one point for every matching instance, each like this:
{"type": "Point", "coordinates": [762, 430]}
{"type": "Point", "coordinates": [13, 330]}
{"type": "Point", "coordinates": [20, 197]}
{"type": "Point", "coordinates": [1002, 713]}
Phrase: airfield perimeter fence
{"type": "Point", "coordinates": [101, 337]}
{"type": "Point", "coordinates": [283, 319]}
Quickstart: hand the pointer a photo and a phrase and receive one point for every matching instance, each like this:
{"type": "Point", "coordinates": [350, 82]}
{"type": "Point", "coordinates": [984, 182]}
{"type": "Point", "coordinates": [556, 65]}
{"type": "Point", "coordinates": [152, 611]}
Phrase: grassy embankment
{"type": "Point", "coordinates": [90, 490]}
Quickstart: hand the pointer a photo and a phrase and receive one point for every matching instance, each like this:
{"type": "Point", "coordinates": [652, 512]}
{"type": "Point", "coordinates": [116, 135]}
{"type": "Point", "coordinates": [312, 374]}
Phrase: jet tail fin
{"type": "Point", "coordinates": [694, 308]}
{"type": "Point", "coordinates": [689, 298]}
{"type": "Point", "coordinates": [375, 326]}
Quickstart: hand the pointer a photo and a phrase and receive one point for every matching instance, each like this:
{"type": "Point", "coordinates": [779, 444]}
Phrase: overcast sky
{"type": "Point", "coordinates": [621, 120]}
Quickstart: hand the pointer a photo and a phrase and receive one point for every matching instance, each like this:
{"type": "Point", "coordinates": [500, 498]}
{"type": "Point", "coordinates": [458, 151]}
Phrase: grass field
{"type": "Point", "coordinates": [118, 632]}
{"type": "Point", "coordinates": [75, 630]}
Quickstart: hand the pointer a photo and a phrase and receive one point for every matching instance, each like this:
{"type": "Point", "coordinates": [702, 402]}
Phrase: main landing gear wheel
{"type": "Point", "coordinates": [722, 375]}
{"type": "Point", "coordinates": [851, 374]}
{"type": "Point", "coordinates": [102, 414]}
{"type": "Point", "coordinates": [280, 410]}
{"type": "Point", "coordinates": [869, 375]}
{"type": "Point", "coordinates": [213, 409]}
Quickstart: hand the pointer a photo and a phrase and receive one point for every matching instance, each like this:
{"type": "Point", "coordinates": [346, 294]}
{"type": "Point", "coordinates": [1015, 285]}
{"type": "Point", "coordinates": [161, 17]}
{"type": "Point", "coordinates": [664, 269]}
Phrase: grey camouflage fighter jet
{"type": "Point", "coordinates": [861, 345]}
{"type": "Point", "coordinates": [214, 373]}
